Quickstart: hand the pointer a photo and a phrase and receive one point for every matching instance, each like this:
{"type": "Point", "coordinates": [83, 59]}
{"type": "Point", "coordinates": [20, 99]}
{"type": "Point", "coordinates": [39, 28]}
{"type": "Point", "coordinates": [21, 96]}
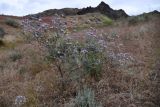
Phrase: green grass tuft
{"type": "Point", "coordinates": [106, 20]}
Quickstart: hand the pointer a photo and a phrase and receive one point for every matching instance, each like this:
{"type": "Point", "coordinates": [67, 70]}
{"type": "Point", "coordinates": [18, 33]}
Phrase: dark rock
{"type": "Point", "coordinates": [64, 12]}
{"type": "Point", "coordinates": [105, 9]}
{"type": "Point", "coordinates": [102, 8]}
{"type": "Point", "coordinates": [155, 12]}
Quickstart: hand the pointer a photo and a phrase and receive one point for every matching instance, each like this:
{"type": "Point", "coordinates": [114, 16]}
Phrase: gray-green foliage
{"type": "Point", "coordinates": [86, 98]}
{"type": "Point", "coordinates": [74, 56]}
{"type": "Point", "coordinates": [2, 32]}
{"type": "Point", "coordinates": [12, 22]}
{"type": "Point", "coordinates": [106, 20]}
{"type": "Point", "coordinates": [133, 20]}
{"type": "Point", "coordinates": [14, 56]}
{"type": "Point", "coordinates": [93, 58]}
{"type": "Point", "coordinates": [66, 52]}
{"type": "Point", "coordinates": [71, 56]}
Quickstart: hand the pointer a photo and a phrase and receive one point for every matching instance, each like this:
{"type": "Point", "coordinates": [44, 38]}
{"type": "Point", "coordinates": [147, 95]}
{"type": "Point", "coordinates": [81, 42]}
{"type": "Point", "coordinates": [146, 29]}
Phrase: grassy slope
{"type": "Point", "coordinates": [131, 85]}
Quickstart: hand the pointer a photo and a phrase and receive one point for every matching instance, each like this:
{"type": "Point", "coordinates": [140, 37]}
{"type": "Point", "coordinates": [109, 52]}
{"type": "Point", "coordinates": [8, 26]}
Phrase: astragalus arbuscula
{"type": "Point", "coordinates": [71, 55]}
{"type": "Point", "coordinates": [74, 60]}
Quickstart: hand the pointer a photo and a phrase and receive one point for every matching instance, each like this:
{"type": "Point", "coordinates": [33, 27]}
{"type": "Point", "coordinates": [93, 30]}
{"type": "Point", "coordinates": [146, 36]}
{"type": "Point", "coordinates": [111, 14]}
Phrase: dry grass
{"type": "Point", "coordinates": [134, 84]}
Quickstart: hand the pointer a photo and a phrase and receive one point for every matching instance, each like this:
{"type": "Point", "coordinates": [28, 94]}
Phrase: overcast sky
{"type": "Point", "coordinates": [24, 7]}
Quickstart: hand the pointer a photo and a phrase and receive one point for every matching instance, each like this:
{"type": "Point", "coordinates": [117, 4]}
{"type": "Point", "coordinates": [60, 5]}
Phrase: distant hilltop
{"type": "Point", "coordinates": [105, 9]}
{"type": "Point", "coordinates": [102, 8]}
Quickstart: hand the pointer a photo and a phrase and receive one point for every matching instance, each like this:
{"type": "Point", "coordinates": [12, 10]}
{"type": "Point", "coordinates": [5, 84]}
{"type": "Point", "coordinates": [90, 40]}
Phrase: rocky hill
{"type": "Point", "coordinates": [64, 11]}
{"type": "Point", "coordinates": [102, 8]}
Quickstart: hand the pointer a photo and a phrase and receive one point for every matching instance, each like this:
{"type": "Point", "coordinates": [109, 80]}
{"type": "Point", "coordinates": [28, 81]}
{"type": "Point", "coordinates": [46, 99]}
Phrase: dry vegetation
{"type": "Point", "coordinates": [126, 75]}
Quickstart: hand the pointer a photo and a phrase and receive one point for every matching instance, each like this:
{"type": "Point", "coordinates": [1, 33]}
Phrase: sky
{"type": "Point", "coordinates": [25, 7]}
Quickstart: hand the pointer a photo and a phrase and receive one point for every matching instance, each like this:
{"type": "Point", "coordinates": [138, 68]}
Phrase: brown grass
{"type": "Point", "coordinates": [135, 85]}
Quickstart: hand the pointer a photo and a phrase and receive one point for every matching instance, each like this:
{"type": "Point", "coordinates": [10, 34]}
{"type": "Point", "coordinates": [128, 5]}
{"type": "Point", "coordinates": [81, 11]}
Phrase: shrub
{"type": "Point", "coordinates": [92, 64]}
{"type": "Point", "coordinates": [65, 53]}
{"type": "Point", "coordinates": [137, 19]}
{"type": "Point", "coordinates": [93, 57]}
{"type": "Point", "coordinates": [12, 22]}
{"type": "Point", "coordinates": [1, 43]}
{"type": "Point", "coordinates": [74, 56]}
{"type": "Point", "coordinates": [143, 18]}
{"type": "Point", "coordinates": [72, 59]}
{"type": "Point", "coordinates": [3, 102]}
{"type": "Point", "coordinates": [22, 70]}
{"type": "Point", "coordinates": [86, 98]}
{"type": "Point", "coordinates": [2, 32]}
{"type": "Point", "coordinates": [14, 56]}
{"type": "Point", "coordinates": [132, 21]}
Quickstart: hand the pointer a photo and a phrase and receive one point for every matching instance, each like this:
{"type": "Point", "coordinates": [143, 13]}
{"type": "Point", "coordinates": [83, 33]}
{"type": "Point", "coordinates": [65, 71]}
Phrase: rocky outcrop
{"type": "Point", "coordinates": [155, 12]}
{"type": "Point", "coordinates": [64, 11]}
{"type": "Point", "coordinates": [104, 9]}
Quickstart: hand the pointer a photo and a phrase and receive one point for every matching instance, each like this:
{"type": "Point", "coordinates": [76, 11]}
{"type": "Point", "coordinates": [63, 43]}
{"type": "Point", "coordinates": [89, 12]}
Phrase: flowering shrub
{"type": "Point", "coordinates": [73, 59]}
{"type": "Point", "coordinates": [89, 56]}
{"type": "Point", "coordinates": [93, 55]}
{"type": "Point", "coordinates": [34, 30]}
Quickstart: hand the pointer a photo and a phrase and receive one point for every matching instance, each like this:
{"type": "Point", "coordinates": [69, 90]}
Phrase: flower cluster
{"type": "Point", "coordinates": [59, 25]}
{"type": "Point", "coordinates": [36, 28]}
{"type": "Point", "coordinates": [122, 58]}
{"type": "Point", "coordinates": [20, 100]}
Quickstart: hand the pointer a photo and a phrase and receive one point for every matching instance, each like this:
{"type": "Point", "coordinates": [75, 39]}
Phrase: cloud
{"type": "Point", "coordinates": [24, 7]}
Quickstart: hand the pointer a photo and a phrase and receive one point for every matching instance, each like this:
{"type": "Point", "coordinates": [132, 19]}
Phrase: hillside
{"type": "Point", "coordinates": [83, 59]}
{"type": "Point", "coordinates": [102, 8]}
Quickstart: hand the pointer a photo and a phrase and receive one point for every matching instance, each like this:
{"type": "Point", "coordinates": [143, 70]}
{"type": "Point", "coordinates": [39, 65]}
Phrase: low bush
{"type": "Point", "coordinates": [2, 32]}
{"type": "Point", "coordinates": [86, 98]}
{"type": "Point", "coordinates": [74, 56]}
{"type": "Point", "coordinates": [73, 60]}
{"type": "Point", "coordinates": [1, 43]}
{"type": "Point", "coordinates": [12, 22]}
{"type": "Point", "coordinates": [93, 57]}
{"type": "Point", "coordinates": [133, 20]}
{"type": "Point", "coordinates": [14, 56]}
